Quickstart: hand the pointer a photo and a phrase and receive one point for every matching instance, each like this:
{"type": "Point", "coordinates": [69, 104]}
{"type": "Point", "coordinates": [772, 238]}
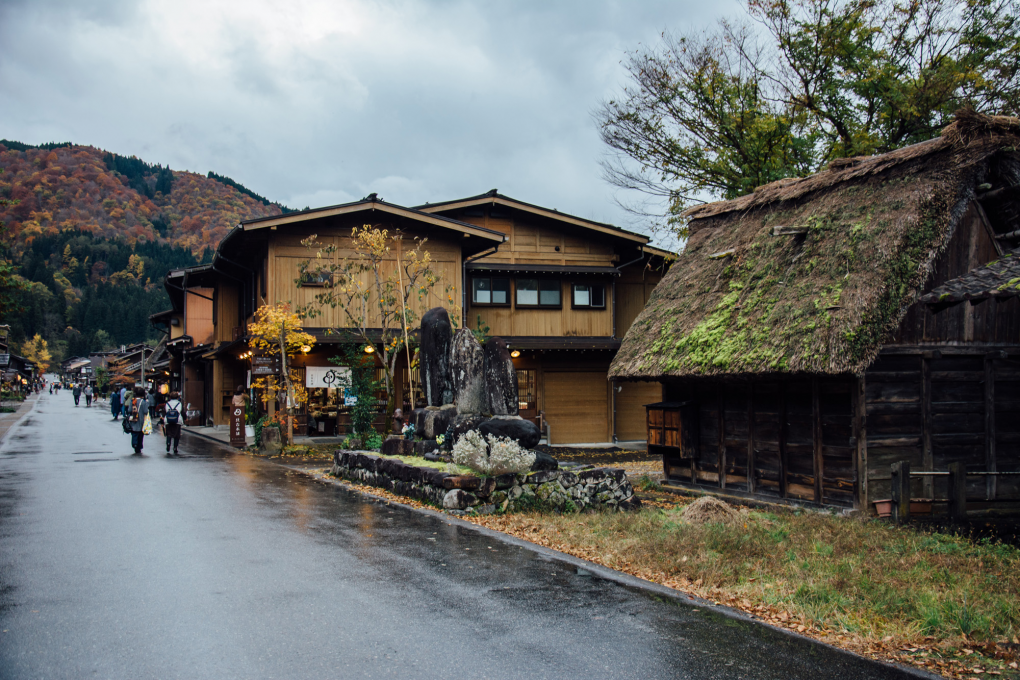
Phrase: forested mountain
{"type": "Point", "coordinates": [90, 235]}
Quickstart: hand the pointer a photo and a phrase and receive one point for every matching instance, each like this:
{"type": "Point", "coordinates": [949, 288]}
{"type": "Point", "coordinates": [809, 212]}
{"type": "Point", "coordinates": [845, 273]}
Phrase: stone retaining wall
{"type": "Point", "coordinates": [569, 490]}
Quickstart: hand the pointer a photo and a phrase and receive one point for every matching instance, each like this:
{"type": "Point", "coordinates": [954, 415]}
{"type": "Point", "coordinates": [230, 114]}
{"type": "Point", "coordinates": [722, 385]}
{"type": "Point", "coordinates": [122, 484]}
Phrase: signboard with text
{"type": "Point", "coordinates": [327, 376]}
{"type": "Point", "coordinates": [237, 426]}
{"type": "Point", "coordinates": [265, 366]}
{"type": "Point", "coordinates": [5, 359]}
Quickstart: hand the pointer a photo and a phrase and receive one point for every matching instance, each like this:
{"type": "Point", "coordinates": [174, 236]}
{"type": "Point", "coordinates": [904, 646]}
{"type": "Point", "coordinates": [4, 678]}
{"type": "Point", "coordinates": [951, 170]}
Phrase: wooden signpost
{"type": "Point", "coordinates": [237, 426]}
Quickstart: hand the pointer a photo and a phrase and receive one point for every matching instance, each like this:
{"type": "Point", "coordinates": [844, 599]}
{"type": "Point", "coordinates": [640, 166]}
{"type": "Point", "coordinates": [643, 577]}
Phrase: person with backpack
{"type": "Point", "coordinates": [172, 410]}
{"type": "Point", "coordinates": [139, 410]}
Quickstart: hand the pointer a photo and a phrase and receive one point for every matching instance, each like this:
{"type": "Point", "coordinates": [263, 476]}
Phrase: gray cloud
{"type": "Point", "coordinates": [314, 102]}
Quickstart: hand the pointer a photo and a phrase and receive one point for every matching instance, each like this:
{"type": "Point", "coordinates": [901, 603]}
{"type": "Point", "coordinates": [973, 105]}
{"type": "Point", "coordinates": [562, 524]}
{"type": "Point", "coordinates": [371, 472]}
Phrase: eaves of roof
{"type": "Point", "coordinates": [369, 205]}
{"type": "Point", "coordinates": [495, 198]}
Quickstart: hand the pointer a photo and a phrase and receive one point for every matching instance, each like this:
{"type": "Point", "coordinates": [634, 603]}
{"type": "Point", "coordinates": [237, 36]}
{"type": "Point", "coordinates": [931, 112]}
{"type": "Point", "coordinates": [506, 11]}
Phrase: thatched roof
{"type": "Point", "coordinates": [998, 279]}
{"type": "Point", "coordinates": [812, 275]}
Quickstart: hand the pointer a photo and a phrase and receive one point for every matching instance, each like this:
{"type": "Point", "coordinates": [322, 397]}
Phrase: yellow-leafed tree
{"type": "Point", "coordinates": [378, 304]}
{"type": "Point", "coordinates": [37, 350]}
{"type": "Point", "coordinates": [277, 332]}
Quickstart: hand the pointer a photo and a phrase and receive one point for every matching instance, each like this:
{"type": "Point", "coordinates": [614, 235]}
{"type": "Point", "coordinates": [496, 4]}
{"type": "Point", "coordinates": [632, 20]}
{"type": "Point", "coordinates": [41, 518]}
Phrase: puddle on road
{"type": "Point", "coordinates": [93, 460]}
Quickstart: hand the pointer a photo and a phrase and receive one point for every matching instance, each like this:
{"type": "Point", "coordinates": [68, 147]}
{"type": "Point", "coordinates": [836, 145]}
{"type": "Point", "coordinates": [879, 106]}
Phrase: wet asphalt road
{"type": "Point", "coordinates": [221, 566]}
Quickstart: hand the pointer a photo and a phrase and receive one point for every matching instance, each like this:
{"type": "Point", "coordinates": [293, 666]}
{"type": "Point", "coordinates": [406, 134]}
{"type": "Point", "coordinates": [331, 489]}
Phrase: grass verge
{"type": "Point", "coordinates": [932, 600]}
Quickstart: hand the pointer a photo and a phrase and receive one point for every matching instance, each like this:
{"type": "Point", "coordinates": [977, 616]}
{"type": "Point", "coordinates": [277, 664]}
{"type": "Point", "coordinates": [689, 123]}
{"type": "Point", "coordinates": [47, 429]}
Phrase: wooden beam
{"type": "Point", "coordinates": [750, 436]}
{"type": "Point", "coordinates": [816, 437]}
{"type": "Point", "coordinates": [957, 490]}
{"type": "Point", "coordinates": [861, 434]}
{"type": "Point", "coordinates": [782, 440]}
{"type": "Point", "coordinates": [722, 435]}
{"type": "Point", "coordinates": [789, 231]}
{"type": "Point", "coordinates": [990, 455]}
{"type": "Point", "coordinates": [927, 457]}
{"type": "Point", "coordinates": [900, 476]}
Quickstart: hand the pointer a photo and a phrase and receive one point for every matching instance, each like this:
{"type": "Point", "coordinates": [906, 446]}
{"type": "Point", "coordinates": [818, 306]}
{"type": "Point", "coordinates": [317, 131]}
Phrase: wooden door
{"type": "Point", "coordinates": [577, 407]}
{"type": "Point", "coordinates": [631, 398]}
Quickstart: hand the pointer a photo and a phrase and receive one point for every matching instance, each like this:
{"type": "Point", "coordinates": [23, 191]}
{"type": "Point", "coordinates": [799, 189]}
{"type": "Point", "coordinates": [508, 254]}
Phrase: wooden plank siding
{"type": "Point", "coordinates": [932, 409]}
{"type": "Point", "coordinates": [286, 254]}
{"type": "Point", "coordinates": [783, 439]}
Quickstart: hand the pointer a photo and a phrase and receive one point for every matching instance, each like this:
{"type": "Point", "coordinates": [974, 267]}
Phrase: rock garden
{"type": "Point", "coordinates": [468, 450]}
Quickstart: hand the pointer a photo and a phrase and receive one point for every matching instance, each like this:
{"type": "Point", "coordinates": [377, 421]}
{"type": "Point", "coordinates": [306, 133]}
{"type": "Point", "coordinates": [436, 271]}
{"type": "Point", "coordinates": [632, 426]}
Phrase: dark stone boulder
{"type": "Point", "coordinates": [458, 499]}
{"type": "Point", "coordinates": [500, 378]}
{"type": "Point", "coordinates": [436, 422]}
{"type": "Point", "coordinates": [463, 423]}
{"type": "Point", "coordinates": [543, 461]}
{"type": "Point", "coordinates": [436, 335]}
{"type": "Point", "coordinates": [425, 446]}
{"type": "Point", "coordinates": [397, 447]}
{"type": "Point", "coordinates": [417, 418]}
{"type": "Point", "coordinates": [524, 432]}
{"type": "Point", "coordinates": [467, 369]}
{"type": "Point", "coordinates": [505, 481]}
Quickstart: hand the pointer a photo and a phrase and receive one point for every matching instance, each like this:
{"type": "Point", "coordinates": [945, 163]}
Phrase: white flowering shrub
{"type": "Point", "coordinates": [506, 455]}
{"type": "Point", "coordinates": [471, 451]}
{"type": "Point", "coordinates": [498, 456]}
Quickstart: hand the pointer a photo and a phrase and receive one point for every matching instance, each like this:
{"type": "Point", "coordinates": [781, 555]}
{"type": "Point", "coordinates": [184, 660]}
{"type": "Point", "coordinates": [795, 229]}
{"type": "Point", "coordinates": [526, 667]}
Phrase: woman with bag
{"type": "Point", "coordinates": [141, 423]}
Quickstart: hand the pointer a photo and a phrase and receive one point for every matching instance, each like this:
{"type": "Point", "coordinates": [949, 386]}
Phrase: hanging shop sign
{"type": "Point", "coordinates": [5, 359]}
{"type": "Point", "coordinates": [327, 376]}
{"type": "Point", "coordinates": [265, 366]}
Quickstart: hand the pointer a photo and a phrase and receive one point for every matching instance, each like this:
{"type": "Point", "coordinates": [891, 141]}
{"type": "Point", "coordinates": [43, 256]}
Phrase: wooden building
{"type": "Point", "coordinates": [560, 289]}
{"type": "Point", "coordinates": [795, 330]}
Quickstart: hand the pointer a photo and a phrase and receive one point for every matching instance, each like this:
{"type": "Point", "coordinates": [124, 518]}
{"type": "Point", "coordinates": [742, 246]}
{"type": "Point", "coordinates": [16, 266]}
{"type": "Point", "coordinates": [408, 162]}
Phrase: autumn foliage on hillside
{"type": "Point", "coordinates": [72, 188]}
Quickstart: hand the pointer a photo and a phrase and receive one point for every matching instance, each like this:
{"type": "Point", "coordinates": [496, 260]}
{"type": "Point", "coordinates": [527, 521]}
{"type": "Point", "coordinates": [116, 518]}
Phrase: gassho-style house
{"type": "Point", "coordinates": [561, 290]}
{"type": "Point", "coordinates": [819, 330]}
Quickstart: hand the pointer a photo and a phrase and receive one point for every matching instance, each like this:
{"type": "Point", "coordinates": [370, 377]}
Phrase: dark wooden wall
{"type": "Point", "coordinates": [939, 406]}
{"type": "Point", "coordinates": [990, 322]}
{"type": "Point", "coordinates": [775, 439]}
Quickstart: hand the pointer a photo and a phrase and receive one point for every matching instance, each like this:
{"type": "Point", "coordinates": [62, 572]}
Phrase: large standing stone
{"type": "Point", "coordinates": [524, 432]}
{"type": "Point", "coordinates": [500, 378]}
{"type": "Point", "coordinates": [467, 366]}
{"type": "Point", "coordinates": [436, 334]}
{"type": "Point", "coordinates": [436, 422]}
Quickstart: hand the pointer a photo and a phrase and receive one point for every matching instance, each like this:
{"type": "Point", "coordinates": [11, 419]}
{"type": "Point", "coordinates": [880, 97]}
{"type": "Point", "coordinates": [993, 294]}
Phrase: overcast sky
{"type": "Point", "coordinates": [313, 103]}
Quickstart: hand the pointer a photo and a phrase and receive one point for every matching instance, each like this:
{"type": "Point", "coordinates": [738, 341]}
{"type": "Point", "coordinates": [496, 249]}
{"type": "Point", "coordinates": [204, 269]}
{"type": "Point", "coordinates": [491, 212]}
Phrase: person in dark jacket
{"type": "Point", "coordinates": [139, 409]}
{"type": "Point", "coordinates": [173, 413]}
{"type": "Point", "coordinates": [76, 393]}
{"type": "Point", "coordinates": [115, 404]}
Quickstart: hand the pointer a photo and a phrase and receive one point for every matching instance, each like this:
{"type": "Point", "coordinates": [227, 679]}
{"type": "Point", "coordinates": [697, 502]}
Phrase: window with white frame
{"type": "Point", "coordinates": [589, 295]}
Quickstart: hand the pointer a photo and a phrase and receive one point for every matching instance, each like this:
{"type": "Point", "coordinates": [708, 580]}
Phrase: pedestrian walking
{"type": "Point", "coordinates": [172, 422]}
{"type": "Point", "coordinates": [139, 410]}
{"type": "Point", "coordinates": [88, 395]}
{"type": "Point", "coordinates": [76, 391]}
{"type": "Point", "coordinates": [115, 404]}
{"type": "Point", "coordinates": [125, 399]}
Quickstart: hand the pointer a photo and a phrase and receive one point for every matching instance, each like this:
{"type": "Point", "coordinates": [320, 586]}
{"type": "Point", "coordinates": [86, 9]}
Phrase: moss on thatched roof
{"type": "Point", "coordinates": [812, 275]}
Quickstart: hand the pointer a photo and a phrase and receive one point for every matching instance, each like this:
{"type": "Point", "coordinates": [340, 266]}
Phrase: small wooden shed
{"type": "Point", "coordinates": [794, 321]}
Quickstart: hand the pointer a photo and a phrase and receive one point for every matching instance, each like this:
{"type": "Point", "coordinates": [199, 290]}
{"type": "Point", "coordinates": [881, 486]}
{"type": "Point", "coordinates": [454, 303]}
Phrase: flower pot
{"type": "Point", "coordinates": [883, 507]}
{"type": "Point", "coordinates": [921, 506]}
